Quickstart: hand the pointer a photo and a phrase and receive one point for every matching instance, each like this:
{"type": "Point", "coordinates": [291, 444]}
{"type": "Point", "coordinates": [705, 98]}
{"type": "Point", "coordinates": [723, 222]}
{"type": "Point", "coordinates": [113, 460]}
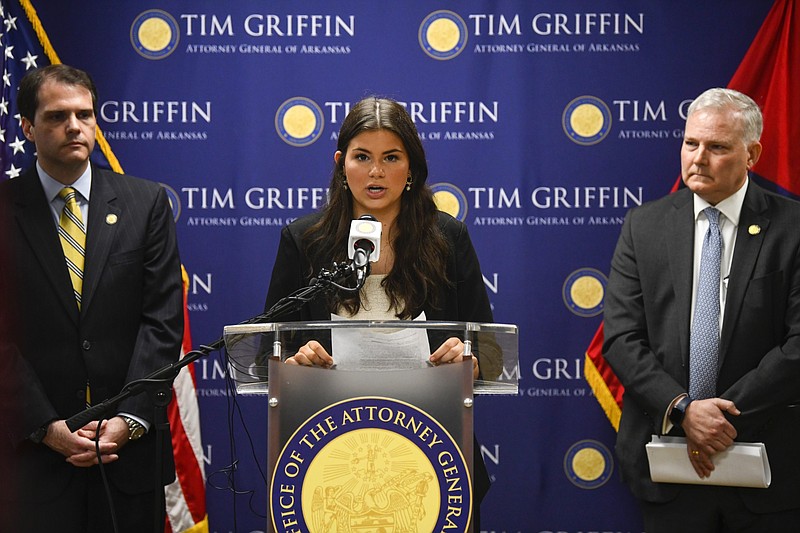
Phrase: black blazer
{"type": "Point", "coordinates": [646, 328]}
{"type": "Point", "coordinates": [130, 322]}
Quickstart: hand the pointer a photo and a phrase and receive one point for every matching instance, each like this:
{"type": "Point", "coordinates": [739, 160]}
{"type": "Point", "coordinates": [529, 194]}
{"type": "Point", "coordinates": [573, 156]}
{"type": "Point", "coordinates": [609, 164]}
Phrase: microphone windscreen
{"type": "Point", "coordinates": [365, 229]}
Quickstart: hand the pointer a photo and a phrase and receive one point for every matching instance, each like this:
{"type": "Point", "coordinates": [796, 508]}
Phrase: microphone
{"type": "Point", "coordinates": [364, 244]}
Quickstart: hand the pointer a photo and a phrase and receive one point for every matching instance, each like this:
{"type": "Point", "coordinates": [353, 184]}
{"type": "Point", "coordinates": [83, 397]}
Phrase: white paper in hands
{"type": "Point", "coordinates": [380, 349]}
{"type": "Point", "coordinates": [744, 464]}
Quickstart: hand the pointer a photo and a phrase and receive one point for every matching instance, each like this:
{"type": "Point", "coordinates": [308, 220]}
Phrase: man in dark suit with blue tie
{"type": "Point", "coordinates": [93, 300]}
{"type": "Point", "coordinates": [702, 326]}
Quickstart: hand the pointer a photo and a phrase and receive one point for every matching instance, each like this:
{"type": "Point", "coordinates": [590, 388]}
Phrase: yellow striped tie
{"type": "Point", "coordinates": [73, 239]}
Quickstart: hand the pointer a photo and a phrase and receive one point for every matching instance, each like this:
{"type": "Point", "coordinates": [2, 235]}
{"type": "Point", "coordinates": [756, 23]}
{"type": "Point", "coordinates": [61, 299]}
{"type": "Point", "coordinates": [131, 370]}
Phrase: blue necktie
{"type": "Point", "coordinates": [704, 340]}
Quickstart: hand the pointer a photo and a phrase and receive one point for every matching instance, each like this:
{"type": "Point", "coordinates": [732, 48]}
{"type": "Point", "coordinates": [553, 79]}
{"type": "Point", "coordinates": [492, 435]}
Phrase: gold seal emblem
{"type": "Point", "coordinates": [583, 292]}
{"type": "Point", "coordinates": [755, 229]}
{"type": "Point", "coordinates": [443, 34]}
{"type": "Point", "coordinates": [587, 292]}
{"type": "Point", "coordinates": [368, 465]}
{"type": "Point", "coordinates": [587, 120]}
{"type": "Point", "coordinates": [588, 464]}
{"type": "Point", "coordinates": [299, 121]}
{"type": "Point", "coordinates": [155, 34]}
{"type": "Point", "coordinates": [370, 479]}
{"type": "Point", "coordinates": [111, 219]}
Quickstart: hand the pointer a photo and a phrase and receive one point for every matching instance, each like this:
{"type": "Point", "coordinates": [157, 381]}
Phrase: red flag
{"type": "Point", "coordinates": [769, 75]}
{"type": "Point", "coordinates": [604, 383]}
{"type": "Point", "coordinates": [186, 497]}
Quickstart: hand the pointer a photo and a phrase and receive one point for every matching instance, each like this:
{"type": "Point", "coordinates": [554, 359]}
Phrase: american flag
{"type": "Point", "coordinates": [21, 53]}
{"type": "Point", "coordinates": [24, 50]}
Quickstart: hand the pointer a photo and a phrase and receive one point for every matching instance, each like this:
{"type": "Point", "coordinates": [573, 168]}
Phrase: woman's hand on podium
{"type": "Point", "coordinates": [311, 354]}
{"type": "Point", "coordinates": [452, 351]}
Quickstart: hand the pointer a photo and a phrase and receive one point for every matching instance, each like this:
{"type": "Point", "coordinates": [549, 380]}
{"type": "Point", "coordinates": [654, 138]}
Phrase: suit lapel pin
{"type": "Point", "coordinates": [112, 219]}
{"type": "Point", "coordinates": [755, 229]}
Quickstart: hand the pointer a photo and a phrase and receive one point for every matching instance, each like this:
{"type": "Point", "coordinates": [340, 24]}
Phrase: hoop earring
{"type": "Point", "coordinates": [409, 181]}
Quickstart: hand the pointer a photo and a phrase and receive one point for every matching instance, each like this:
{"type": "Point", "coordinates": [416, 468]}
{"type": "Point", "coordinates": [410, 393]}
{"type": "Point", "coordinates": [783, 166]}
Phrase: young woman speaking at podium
{"type": "Point", "coordinates": [427, 263]}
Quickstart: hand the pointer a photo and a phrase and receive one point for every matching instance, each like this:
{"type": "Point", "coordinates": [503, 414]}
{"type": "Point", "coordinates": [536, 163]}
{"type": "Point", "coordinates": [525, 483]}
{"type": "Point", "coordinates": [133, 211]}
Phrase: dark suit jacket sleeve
{"type": "Point", "coordinates": [473, 299]}
{"type": "Point", "coordinates": [288, 272]}
{"type": "Point", "coordinates": [465, 298]}
{"type": "Point", "coordinates": [161, 326]}
{"type": "Point", "coordinates": [292, 271]}
{"type": "Point", "coordinates": [629, 321]}
{"type": "Point", "coordinates": [646, 309]}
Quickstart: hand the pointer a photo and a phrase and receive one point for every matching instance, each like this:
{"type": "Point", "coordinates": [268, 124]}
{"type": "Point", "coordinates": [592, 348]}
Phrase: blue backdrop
{"type": "Point", "coordinates": [543, 123]}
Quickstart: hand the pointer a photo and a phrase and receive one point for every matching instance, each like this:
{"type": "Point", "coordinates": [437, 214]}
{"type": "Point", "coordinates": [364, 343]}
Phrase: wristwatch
{"type": "Point", "coordinates": [679, 410]}
{"type": "Point", "coordinates": [135, 429]}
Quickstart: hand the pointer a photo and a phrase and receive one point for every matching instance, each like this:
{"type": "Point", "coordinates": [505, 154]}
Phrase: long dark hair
{"type": "Point", "coordinates": [419, 270]}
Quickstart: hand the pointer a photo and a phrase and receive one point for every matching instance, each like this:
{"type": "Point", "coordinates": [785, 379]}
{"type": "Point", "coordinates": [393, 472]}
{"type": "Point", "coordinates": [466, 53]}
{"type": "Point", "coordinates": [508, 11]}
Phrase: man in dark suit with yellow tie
{"type": "Point", "coordinates": [702, 326]}
{"type": "Point", "coordinates": [93, 300]}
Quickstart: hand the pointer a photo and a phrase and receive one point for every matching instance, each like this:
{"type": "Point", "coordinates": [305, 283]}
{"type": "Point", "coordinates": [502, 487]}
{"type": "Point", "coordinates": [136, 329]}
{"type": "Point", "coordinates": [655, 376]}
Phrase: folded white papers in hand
{"type": "Point", "coordinates": [744, 464]}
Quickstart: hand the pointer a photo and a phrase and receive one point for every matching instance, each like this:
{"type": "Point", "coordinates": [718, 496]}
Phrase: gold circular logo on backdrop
{"type": "Point", "coordinates": [586, 120]}
{"type": "Point", "coordinates": [583, 292]}
{"type": "Point", "coordinates": [588, 464]}
{"type": "Point", "coordinates": [299, 121]}
{"type": "Point", "coordinates": [155, 34]}
{"type": "Point", "coordinates": [443, 34]}
{"type": "Point", "coordinates": [587, 292]}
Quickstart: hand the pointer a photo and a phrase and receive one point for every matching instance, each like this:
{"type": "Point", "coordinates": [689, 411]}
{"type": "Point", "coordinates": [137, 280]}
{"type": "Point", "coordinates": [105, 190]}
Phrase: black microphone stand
{"type": "Point", "coordinates": [158, 385]}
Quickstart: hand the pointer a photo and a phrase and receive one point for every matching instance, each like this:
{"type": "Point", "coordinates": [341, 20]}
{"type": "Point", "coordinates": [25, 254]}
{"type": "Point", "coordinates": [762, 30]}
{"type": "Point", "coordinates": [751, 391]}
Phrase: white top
{"type": "Point", "coordinates": [374, 301]}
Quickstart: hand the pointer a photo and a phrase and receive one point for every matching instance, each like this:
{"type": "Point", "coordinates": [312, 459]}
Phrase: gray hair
{"type": "Point", "coordinates": [744, 107]}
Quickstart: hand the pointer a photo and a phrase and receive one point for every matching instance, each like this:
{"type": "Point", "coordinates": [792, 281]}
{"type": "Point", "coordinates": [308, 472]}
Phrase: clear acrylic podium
{"type": "Point", "coordinates": [381, 442]}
